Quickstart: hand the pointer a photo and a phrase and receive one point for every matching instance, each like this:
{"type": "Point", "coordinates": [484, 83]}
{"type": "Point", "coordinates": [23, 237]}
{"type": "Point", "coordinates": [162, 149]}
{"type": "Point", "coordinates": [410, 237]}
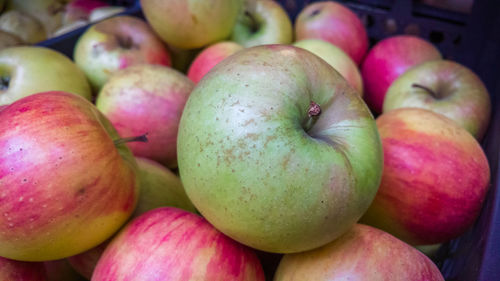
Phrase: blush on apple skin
{"type": "Point", "coordinates": [387, 60]}
{"type": "Point", "coordinates": [363, 253]}
{"type": "Point", "coordinates": [176, 245]}
{"type": "Point", "coordinates": [209, 57]}
{"type": "Point", "coordinates": [21, 271]}
{"type": "Point", "coordinates": [434, 180]}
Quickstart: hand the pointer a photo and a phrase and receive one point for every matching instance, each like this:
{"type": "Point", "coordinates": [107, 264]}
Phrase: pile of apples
{"type": "Point", "coordinates": [219, 140]}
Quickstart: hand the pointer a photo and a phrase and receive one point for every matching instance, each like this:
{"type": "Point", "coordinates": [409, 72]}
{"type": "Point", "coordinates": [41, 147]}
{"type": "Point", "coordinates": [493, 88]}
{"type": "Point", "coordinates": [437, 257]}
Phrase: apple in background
{"type": "Point", "coordinates": [105, 12]}
{"type": "Point", "coordinates": [461, 6]}
{"type": "Point", "coordinates": [192, 24]}
{"type": "Point", "coordinates": [21, 271]}
{"type": "Point", "coordinates": [69, 27]}
{"type": "Point", "coordinates": [61, 270]}
{"type": "Point", "coordinates": [335, 57]}
{"type": "Point", "coordinates": [160, 187]}
{"type": "Point", "coordinates": [336, 23]}
{"type": "Point", "coordinates": [363, 253]}
{"type": "Point", "coordinates": [262, 22]}
{"type": "Point", "coordinates": [434, 181]}
{"type": "Point", "coordinates": [147, 99]}
{"type": "Point", "coordinates": [8, 39]}
{"type": "Point", "coordinates": [387, 60]}
{"type": "Point", "coordinates": [174, 244]}
{"type": "Point", "coordinates": [272, 133]}
{"type": "Point", "coordinates": [77, 10]}
{"type": "Point", "coordinates": [209, 57]}
{"type": "Point", "coordinates": [445, 87]}
{"type": "Point", "coordinates": [25, 70]}
{"type": "Point", "coordinates": [67, 183]}
{"type": "Point", "coordinates": [117, 43]}
{"type": "Point", "coordinates": [48, 12]}
{"type": "Point", "coordinates": [23, 25]}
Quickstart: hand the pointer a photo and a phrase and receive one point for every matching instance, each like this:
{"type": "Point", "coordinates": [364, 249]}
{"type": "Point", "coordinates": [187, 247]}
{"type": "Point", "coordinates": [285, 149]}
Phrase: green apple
{"type": "Point", "coordinates": [262, 22]}
{"type": "Point", "coordinates": [25, 70]}
{"type": "Point", "coordinates": [23, 25]}
{"type": "Point", "coordinates": [335, 57]}
{"type": "Point", "coordinates": [445, 87]}
{"type": "Point", "coordinates": [277, 151]}
{"type": "Point", "coordinates": [191, 24]}
{"type": "Point", "coordinates": [8, 39]}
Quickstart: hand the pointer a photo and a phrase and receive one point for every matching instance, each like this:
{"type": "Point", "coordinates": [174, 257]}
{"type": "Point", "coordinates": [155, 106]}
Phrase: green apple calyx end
{"type": "Point", "coordinates": [4, 83]}
{"type": "Point", "coordinates": [428, 90]}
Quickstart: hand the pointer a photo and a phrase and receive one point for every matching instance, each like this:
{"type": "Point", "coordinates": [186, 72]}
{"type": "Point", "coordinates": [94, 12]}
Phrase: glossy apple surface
{"type": "Point", "coordinates": [445, 87]}
{"type": "Point", "coordinates": [147, 99]}
{"type": "Point", "coordinates": [335, 57]}
{"type": "Point", "coordinates": [209, 57]}
{"type": "Point", "coordinates": [192, 24]}
{"type": "Point", "coordinates": [270, 134]}
{"type": "Point", "coordinates": [335, 23]}
{"type": "Point", "coordinates": [434, 180]}
{"type": "Point", "coordinates": [262, 22]}
{"type": "Point", "coordinates": [387, 60]}
{"type": "Point", "coordinates": [173, 244]}
{"type": "Point", "coordinates": [25, 70]}
{"type": "Point", "coordinates": [363, 253]}
{"type": "Point", "coordinates": [117, 43]}
{"type": "Point", "coordinates": [65, 186]}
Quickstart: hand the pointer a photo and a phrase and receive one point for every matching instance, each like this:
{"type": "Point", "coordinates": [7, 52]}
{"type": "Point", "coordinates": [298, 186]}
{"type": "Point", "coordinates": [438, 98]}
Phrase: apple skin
{"type": "Point", "coordinates": [159, 187]}
{"type": "Point", "coordinates": [147, 99]}
{"type": "Point", "coordinates": [435, 177]}
{"type": "Point", "coordinates": [209, 57]}
{"type": "Point", "coordinates": [21, 270]}
{"type": "Point", "coordinates": [335, 23]}
{"type": "Point", "coordinates": [80, 10]}
{"type": "Point", "coordinates": [253, 162]}
{"type": "Point", "coordinates": [262, 22]}
{"type": "Point", "coordinates": [65, 186]}
{"type": "Point", "coordinates": [8, 39]}
{"type": "Point", "coordinates": [23, 25]}
{"type": "Point", "coordinates": [192, 24]}
{"type": "Point", "coordinates": [117, 43]}
{"type": "Point", "coordinates": [335, 57]}
{"type": "Point", "coordinates": [387, 60]}
{"type": "Point", "coordinates": [174, 244]}
{"type": "Point", "coordinates": [363, 253]}
{"type": "Point", "coordinates": [32, 69]}
{"type": "Point", "coordinates": [455, 91]}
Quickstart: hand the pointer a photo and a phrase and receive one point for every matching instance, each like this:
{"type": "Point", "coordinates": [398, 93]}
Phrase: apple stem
{"type": "Point", "coordinates": [427, 89]}
{"type": "Point", "coordinates": [312, 115]}
{"type": "Point", "coordinates": [141, 138]}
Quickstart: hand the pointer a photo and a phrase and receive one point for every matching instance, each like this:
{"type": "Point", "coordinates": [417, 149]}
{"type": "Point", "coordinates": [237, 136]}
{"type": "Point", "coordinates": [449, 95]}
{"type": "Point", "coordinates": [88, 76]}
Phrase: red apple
{"type": "Point", "coordinates": [336, 23]}
{"type": "Point", "coordinates": [209, 57]}
{"type": "Point", "coordinates": [12, 270]}
{"type": "Point", "coordinates": [363, 253]}
{"type": "Point", "coordinates": [147, 99]}
{"type": "Point", "coordinates": [390, 58]}
{"type": "Point", "coordinates": [172, 244]}
{"type": "Point", "coordinates": [434, 180]}
{"type": "Point", "coordinates": [80, 10]}
{"type": "Point", "coordinates": [65, 185]}
{"type": "Point", "coordinates": [117, 43]}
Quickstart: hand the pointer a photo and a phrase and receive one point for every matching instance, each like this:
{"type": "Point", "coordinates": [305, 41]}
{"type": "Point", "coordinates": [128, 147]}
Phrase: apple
{"type": "Point", "coordinates": [21, 270]}
{"type": "Point", "coordinates": [445, 87]}
{"type": "Point", "coordinates": [117, 43]}
{"type": "Point", "coordinates": [147, 99]}
{"type": "Point", "coordinates": [363, 253]}
{"type": "Point", "coordinates": [25, 70]}
{"type": "Point", "coordinates": [435, 177]}
{"type": "Point", "coordinates": [77, 10]}
{"type": "Point", "coordinates": [67, 182]}
{"type": "Point", "coordinates": [335, 23]}
{"type": "Point", "coordinates": [182, 58]}
{"type": "Point", "coordinates": [61, 270]}
{"type": "Point", "coordinates": [101, 13]}
{"type": "Point", "coordinates": [272, 133]}
{"type": "Point", "coordinates": [209, 57]}
{"type": "Point", "coordinates": [387, 60]}
{"type": "Point", "coordinates": [461, 6]}
{"type": "Point", "coordinates": [262, 22]}
{"type": "Point", "coordinates": [23, 25]}
{"type": "Point", "coordinates": [69, 27]}
{"type": "Point", "coordinates": [8, 39]}
{"type": "Point", "coordinates": [173, 244]}
{"type": "Point", "coordinates": [335, 57]}
{"type": "Point", "coordinates": [192, 24]}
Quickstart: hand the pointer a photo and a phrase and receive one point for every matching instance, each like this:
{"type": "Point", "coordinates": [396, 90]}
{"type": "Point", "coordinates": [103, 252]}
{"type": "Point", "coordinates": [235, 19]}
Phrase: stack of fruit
{"type": "Point", "coordinates": [219, 140]}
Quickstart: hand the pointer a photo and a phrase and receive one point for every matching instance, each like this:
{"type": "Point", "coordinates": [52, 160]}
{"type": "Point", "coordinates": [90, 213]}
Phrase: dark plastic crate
{"type": "Point", "coordinates": [471, 39]}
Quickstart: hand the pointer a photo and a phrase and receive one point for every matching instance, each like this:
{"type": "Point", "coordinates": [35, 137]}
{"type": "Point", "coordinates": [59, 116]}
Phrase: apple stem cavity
{"type": "Point", "coordinates": [4, 83]}
{"type": "Point", "coordinates": [125, 42]}
{"type": "Point", "coordinates": [312, 115]}
{"type": "Point", "coordinates": [141, 138]}
{"type": "Point", "coordinates": [252, 22]}
{"type": "Point", "coordinates": [427, 89]}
